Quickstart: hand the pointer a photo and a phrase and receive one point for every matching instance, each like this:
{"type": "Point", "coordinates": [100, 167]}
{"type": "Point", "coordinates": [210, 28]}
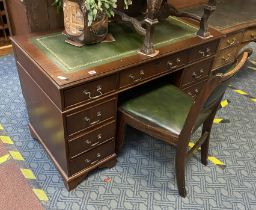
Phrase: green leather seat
{"type": "Point", "coordinates": [166, 107]}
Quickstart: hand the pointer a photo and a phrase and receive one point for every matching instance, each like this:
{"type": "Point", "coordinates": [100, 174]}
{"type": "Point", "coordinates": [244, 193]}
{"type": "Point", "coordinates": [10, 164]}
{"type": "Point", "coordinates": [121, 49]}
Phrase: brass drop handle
{"type": "Point", "coordinates": [195, 76]}
{"type": "Point", "coordinates": [205, 53]}
{"type": "Point", "coordinates": [99, 90]}
{"type": "Point", "coordinates": [172, 66]}
{"type": "Point", "coordinates": [88, 120]}
{"type": "Point", "coordinates": [88, 141]}
{"type": "Point", "coordinates": [231, 42]}
{"type": "Point", "coordinates": [253, 35]}
{"type": "Point", "coordinates": [99, 136]}
{"type": "Point", "coordinates": [134, 79]}
{"type": "Point", "coordinates": [226, 58]}
{"type": "Point", "coordinates": [92, 163]}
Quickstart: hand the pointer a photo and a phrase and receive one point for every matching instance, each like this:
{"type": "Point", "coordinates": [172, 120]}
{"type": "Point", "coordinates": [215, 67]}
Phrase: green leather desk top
{"type": "Point", "coordinates": [72, 59]}
{"type": "Point", "coordinates": [229, 13]}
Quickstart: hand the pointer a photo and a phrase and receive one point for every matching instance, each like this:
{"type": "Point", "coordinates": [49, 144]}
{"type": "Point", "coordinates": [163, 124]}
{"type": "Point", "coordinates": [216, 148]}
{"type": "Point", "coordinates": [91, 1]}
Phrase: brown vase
{"type": "Point", "coordinates": [76, 27]}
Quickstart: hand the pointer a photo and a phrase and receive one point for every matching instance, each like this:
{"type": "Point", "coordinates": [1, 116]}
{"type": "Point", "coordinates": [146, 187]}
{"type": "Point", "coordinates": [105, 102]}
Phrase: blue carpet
{"type": "Point", "coordinates": [144, 177]}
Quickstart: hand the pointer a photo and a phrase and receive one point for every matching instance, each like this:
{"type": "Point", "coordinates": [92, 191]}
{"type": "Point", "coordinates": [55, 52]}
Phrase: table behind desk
{"type": "Point", "coordinates": [236, 19]}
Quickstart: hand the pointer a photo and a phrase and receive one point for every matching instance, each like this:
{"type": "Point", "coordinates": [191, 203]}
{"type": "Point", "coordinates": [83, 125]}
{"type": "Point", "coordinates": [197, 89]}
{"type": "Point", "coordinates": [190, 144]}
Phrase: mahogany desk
{"type": "Point", "coordinates": [72, 106]}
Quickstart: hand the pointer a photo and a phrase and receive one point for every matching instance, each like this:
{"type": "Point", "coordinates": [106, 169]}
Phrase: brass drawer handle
{"type": "Point", "coordinates": [99, 90]}
{"type": "Point", "coordinates": [226, 58]}
{"type": "Point", "coordinates": [253, 36]}
{"type": "Point", "coordinates": [89, 161]}
{"type": "Point", "coordinates": [172, 66]}
{"type": "Point", "coordinates": [205, 53]}
{"type": "Point", "coordinates": [231, 42]}
{"type": "Point", "coordinates": [134, 79]}
{"type": "Point", "coordinates": [88, 141]}
{"type": "Point", "coordinates": [96, 143]}
{"type": "Point", "coordinates": [195, 76]}
{"type": "Point", "coordinates": [88, 120]}
{"type": "Point", "coordinates": [92, 163]}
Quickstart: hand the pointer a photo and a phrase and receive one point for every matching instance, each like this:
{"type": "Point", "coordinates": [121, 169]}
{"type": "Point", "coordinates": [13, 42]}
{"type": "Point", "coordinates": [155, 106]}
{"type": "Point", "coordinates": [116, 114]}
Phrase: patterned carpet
{"type": "Point", "coordinates": [144, 177]}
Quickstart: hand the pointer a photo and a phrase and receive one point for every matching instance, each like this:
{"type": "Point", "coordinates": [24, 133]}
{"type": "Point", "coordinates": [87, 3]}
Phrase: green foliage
{"type": "Point", "coordinates": [58, 4]}
{"type": "Point", "coordinates": [93, 7]}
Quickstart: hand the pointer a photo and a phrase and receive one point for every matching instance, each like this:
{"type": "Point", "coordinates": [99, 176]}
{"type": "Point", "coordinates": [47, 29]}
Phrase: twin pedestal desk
{"type": "Point", "coordinates": [72, 93]}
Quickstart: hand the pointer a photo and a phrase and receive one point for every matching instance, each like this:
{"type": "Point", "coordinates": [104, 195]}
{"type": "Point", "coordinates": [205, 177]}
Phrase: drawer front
{"type": "Point", "coordinates": [92, 157]}
{"type": "Point", "coordinates": [90, 91]}
{"type": "Point", "coordinates": [90, 117]}
{"type": "Point", "coordinates": [230, 40]}
{"type": "Point", "coordinates": [176, 60]}
{"type": "Point", "coordinates": [140, 73]}
{"type": "Point", "coordinates": [92, 139]}
{"type": "Point", "coordinates": [145, 71]}
{"type": "Point", "coordinates": [225, 57]}
{"type": "Point", "coordinates": [194, 90]}
{"type": "Point", "coordinates": [196, 72]}
{"type": "Point", "coordinates": [250, 35]}
{"type": "Point", "coordinates": [203, 51]}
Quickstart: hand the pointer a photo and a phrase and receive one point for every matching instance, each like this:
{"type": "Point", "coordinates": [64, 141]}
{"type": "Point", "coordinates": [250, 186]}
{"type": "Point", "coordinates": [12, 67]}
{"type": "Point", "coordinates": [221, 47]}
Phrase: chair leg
{"type": "Point", "coordinates": [180, 173]}
{"type": "Point", "coordinates": [204, 150]}
{"type": "Point", "coordinates": [120, 132]}
{"type": "Point", "coordinates": [207, 127]}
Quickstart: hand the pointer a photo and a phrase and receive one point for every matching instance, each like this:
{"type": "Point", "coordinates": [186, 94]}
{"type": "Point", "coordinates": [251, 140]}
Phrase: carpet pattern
{"type": "Point", "coordinates": [144, 177]}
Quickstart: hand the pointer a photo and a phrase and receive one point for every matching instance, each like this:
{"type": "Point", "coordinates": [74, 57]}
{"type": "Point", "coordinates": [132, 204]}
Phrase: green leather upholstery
{"type": "Point", "coordinates": [166, 107]}
{"type": "Point", "coordinates": [128, 42]}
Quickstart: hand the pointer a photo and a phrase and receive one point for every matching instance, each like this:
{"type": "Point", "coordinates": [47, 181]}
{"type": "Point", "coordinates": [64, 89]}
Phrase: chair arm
{"type": "Point", "coordinates": [240, 61]}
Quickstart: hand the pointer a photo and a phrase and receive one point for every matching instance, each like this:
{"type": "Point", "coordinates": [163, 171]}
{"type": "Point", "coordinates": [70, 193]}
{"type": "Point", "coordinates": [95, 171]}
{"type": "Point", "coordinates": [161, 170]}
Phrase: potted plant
{"type": "Point", "coordinates": [86, 21]}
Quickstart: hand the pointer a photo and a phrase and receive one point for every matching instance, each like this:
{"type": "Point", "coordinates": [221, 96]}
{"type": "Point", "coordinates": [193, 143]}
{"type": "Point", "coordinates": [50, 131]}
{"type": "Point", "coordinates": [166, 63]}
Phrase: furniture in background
{"type": "Point", "coordinates": [5, 29]}
{"type": "Point", "coordinates": [168, 114]}
{"type": "Point", "coordinates": [72, 93]}
{"type": "Point", "coordinates": [237, 20]}
{"type": "Point", "coordinates": [186, 3]}
{"type": "Point", "coordinates": [33, 16]}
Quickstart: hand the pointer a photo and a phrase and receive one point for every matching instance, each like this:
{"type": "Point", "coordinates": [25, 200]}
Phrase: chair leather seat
{"type": "Point", "coordinates": [166, 107]}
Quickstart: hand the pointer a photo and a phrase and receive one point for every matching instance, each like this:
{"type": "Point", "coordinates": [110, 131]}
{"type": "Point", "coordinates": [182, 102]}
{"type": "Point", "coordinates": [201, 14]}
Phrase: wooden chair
{"type": "Point", "coordinates": [167, 113]}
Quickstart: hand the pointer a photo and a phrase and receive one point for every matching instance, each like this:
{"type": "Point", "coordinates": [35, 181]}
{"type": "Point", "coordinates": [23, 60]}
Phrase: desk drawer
{"type": "Point", "coordinates": [90, 117]}
{"type": "Point", "coordinates": [176, 60]}
{"type": "Point", "coordinates": [250, 35]}
{"type": "Point", "coordinates": [92, 157]}
{"type": "Point", "coordinates": [140, 73]}
{"type": "Point", "coordinates": [225, 57]}
{"type": "Point", "coordinates": [203, 51]}
{"type": "Point", "coordinates": [196, 72]}
{"type": "Point", "coordinates": [92, 139]}
{"type": "Point", "coordinates": [194, 90]}
{"type": "Point", "coordinates": [90, 91]}
{"type": "Point", "coordinates": [230, 40]}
